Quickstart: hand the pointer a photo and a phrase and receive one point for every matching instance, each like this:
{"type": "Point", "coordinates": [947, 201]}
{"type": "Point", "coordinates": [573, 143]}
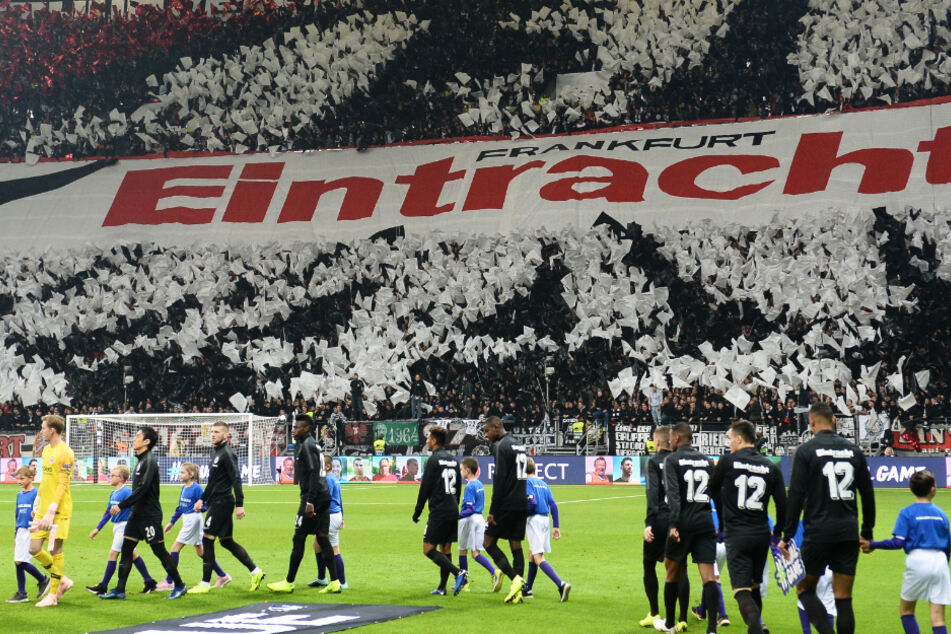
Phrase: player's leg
{"type": "Point", "coordinates": [21, 559]}
{"type": "Point", "coordinates": [112, 562]}
{"type": "Point", "coordinates": [139, 564]}
{"type": "Point", "coordinates": [482, 560]}
{"type": "Point", "coordinates": [673, 570]}
{"type": "Point", "coordinates": [652, 553]}
{"type": "Point", "coordinates": [936, 612]}
{"type": "Point", "coordinates": [844, 560]}
{"type": "Point", "coordinates": [815, 558]}
{"type": "Point", "coordinates": [341, 569]}
{"type": "Point", "coordinates": [60, 582]}
{"type": "Point", "coordinates": [518, 557]}
{"type": "Point", "coordinates": [42, 557]}
{"type": "Point", "coordinates": [909, 623]}
{"type": "Point", "coordinates": [321, 579]}
{"type": "Point", "coordinates": [711, 593]}
{"type": "Point", "coordinates": [157, 544]}
{"type": "Point", "coordinates": [336, 521]}
{"type": "Point", "coordinates": [322, 528]}
{"type": "Point", "coordinates": [125, 567]}
{"type": "Point", "coordinates": [490, 544]}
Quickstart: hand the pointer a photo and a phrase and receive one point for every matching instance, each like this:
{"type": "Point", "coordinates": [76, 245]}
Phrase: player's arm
{"type": "Point", "coordinates": [779, 500]}
{"type": "Point", "coordinates": [468, 503]}
{"type": "Point", "coordinates": [553, 509]}
{"type": "Point", "coordinates": [716, 489]}
{"type": "Point", "coordinates": [530, 497]}
{"type": "Point", "coordinates": [234, 471]}
{"type": "Point", "coordinates": [672, 485]}
{"type": "Point", "coordinates": [502, 468]}
{"type": "Point", "coordinates": [653, 493]}
{"type": "Point", "coordinates": [140, 486]}
{"type": "Point", "coordinates": [863, 482]}
{"type": "Point", "coordinates": [102, 522]}
{"type": "Point", "coordinates": [797, 493]}
{"type": "Point", "coordinates": [425, 487]}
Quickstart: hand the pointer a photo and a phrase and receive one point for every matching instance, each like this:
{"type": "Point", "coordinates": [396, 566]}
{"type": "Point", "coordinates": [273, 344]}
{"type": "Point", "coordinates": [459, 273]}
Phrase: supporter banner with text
{"type": "Point", "coordinates": [733, 172]}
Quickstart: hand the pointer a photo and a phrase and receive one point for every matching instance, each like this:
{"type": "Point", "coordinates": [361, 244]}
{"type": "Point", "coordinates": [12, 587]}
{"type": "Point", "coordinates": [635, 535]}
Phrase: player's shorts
{"type": "Point", "coordinates": [841, 556]}
{"type": "Point", "coordinates": [472, 532]}
{"type": "Point", "coordinates": [538, 532]}
{"type": "Point", "coordinates": [191, 531]}
{"type": "Point", "coordinates": [441, 531]}
{"type": "Point", "coordinates": [747, 555]}
{"type": "Point", "coordinates": [118, 536]}
{"type": "Point", "coordinates": [219, 519]}
{"type": "Point", "coordinates": [655, 550]}
{"type": "Point", "coordinates": [61, 530]}
{"type": "Point", "coordinates": [319, 524]}
{"type": "Point", "coordinates": [145, 529]}
{"type": "Point", "coordinates": [509, 525]}
{"type": "Point", "coordinates": [926, 577]}
{"type": "Point", "coordinates": [702, 546]}
{"type": "Point", "coordinates": [21, 545]}
{"type": "Point", "coordinates": [336, 520]}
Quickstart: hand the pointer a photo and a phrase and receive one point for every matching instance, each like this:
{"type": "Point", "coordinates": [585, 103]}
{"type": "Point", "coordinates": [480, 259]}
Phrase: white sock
{"type": "Point", "coordinates": [257, 570]}
{"type": "Point", "coordinates": [206, 583]}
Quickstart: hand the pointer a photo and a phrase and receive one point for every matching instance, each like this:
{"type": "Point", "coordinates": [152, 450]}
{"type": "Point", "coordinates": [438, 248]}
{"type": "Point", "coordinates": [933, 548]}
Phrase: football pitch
{"type": "Point", "coordinates": [599, 554]}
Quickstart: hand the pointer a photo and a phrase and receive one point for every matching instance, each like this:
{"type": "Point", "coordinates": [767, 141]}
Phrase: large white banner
{"type": "Point", "coordinates": [742, 172]}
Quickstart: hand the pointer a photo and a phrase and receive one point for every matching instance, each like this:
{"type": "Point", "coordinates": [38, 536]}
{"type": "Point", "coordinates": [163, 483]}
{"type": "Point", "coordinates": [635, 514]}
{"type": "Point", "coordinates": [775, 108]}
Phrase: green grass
{"type": "Point", "coordinates": [599, 553]}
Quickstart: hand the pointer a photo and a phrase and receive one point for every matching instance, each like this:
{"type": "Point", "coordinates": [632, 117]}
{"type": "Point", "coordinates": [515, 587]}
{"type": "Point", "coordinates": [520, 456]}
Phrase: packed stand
{"type": "Point", "coordinates": [848, 307]}
{"type": "Point", "coordinates": [311, 75]}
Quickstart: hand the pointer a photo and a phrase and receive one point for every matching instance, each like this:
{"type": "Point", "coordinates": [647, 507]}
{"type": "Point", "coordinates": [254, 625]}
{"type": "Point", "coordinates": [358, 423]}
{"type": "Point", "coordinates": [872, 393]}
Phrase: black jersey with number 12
{"type": "Point", "coordinates": [742, 484]}
{"type": "Point", "coordinates": [828, 475]}
{"type": "Point", "coordinates": [440, 486]}
{"type": "Point", "coordinates": [687, 481]}
{"type": "Point", "coordinates": [508, 485]}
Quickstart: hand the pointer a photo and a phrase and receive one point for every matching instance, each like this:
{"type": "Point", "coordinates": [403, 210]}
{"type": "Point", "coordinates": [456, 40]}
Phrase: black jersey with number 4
{"type": "Point", "coordinates": [828, 474]}
{"type": "Point", "coordinates": [308, 473]}
{"type": "Point", "coordinates": [742, 484]}
{"type": "Point", "coordinates": [440, 486]}
{"type": "Point", "coordinates": [687, 482]}
{"type": "Point", "coordinates": [508, 484]}
{"type": "Point", "coordinates": [658, 512]}
{"type": "Point", "coordinates": [223, 476]}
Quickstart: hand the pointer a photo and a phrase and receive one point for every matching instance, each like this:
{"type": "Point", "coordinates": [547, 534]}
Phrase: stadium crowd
{"type": "Point", "coordinates": [816, 308]}
{"type": "Point", "coordinates": [243, 76]}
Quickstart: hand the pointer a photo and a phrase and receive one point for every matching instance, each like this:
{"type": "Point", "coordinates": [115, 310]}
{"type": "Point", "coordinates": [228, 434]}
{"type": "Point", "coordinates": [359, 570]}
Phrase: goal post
{"type": "Point", "coordinates": [102, 441]}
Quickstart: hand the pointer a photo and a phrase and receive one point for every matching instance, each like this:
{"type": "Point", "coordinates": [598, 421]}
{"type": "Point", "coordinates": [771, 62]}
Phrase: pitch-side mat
{"type": "Point", "coordinates": [268, 618]}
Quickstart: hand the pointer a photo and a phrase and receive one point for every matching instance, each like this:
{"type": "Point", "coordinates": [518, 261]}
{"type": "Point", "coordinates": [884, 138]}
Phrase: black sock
{"type": "Point", "coordinates": [845, 621]}
{"type": "Point", "coordinates": [239, 553]}
{"type": "Point", "coordinates": [749, 611]}
{"type": "Point", "coordinates": [125, 564]}
{"type": "Point", "coordinates": [650, 585]}
{"type": "Point", "coordinates": [711, 601]}
{"type": "Point", "coordinates": [500, 561]}
{"type": "Point", "coordinates": [446, 566]}
{"type": "Point", "coordinates": [443, 578]}
{"type": "Point", "coordinates": [297, 555]}
{"type": "Point", "coordinates": [671, 590]}
{"type": "Point", "coordinates": [171, 568]}
{"type": "Point", "coordinates": [327, 552]}
{"type": "Point", "coordinates": [683, 583]}
{"type": "Point", "coordinates": [816, 612]}
{"type": "Point", "coordinates": [207, 558]}
{"type": "Point", "coordinates": [518, 562]}
{"type": "Point", "coordinates": [757, 599]}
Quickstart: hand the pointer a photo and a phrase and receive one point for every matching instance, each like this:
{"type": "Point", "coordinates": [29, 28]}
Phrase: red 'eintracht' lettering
{"type": "Point", "coordinates": [141, 191]}
{"type": "Point", "coordinates": [680, 179]}
{"type": "Point", "coordinates": [252, 195]}
{"type": "Point", "coordinates": [886, 169]}
{"type": "Point", "coordinates": [625, 184]}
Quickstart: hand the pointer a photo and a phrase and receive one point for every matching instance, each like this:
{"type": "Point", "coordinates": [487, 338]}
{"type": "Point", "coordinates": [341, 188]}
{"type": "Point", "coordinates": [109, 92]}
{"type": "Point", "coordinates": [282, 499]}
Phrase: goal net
{"type": "Point", "coordinates": [102, 441]}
